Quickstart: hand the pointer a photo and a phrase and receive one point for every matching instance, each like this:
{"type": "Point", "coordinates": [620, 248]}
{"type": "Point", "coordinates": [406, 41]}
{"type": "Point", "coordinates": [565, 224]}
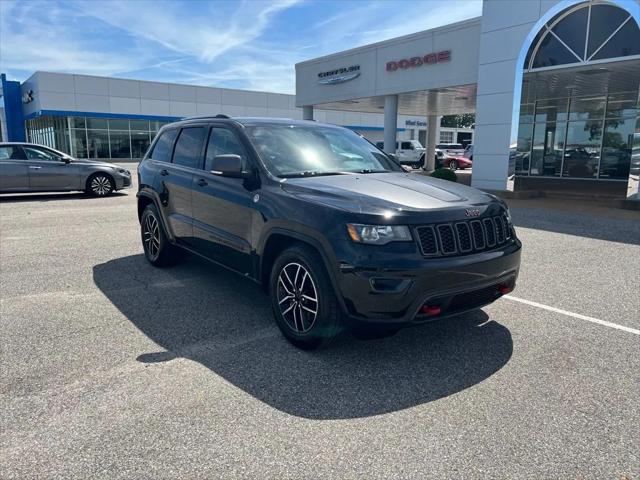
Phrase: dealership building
{"type": "Point", "coordinates": [554, 85]}
{"type": "Point", "coordinates": [113, 118]}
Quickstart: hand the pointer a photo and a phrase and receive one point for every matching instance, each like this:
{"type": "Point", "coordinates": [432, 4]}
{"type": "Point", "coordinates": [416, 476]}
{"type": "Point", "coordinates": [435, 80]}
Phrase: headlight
{"type": "Point", "coordinates": [378, 234]}
{"type": "Point", "coordinates": [124, 172]}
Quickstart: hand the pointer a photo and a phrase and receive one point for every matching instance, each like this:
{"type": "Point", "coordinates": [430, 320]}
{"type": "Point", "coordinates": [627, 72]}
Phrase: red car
{"type": "Point", "coordinates": [456, 163]}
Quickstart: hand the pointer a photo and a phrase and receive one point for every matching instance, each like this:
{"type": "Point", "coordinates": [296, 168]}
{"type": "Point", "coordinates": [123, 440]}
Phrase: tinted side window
{"type": "Point", "coordinates": [164, 146]}
{"type": "Point", "coordinates": [38, 154]}
{"type": "Point", "coordinates": [11, 153]}
{"type": "Point", "coordinates": [405, 146]}
{"type": "Point", "coordinates": [189, 147]}
{"type": "Point", "coordinates": [221, 142]}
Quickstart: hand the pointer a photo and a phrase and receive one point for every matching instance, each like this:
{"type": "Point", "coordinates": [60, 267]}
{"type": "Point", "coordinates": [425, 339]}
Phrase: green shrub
{"type": "Point", "coordinates": [445, 174]}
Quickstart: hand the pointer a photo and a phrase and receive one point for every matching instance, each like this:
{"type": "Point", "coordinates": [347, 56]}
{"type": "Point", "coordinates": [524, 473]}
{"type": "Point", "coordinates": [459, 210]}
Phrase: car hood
{"type": "Point", "coordinates": [94, 163]}
{"type": "Point", "coordinates": [378, 193]}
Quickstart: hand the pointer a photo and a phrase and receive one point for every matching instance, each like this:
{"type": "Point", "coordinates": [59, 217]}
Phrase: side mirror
{"type": "Point", "coordinates": [65, 160]}
{"type": "Point", "coordinates": [393, 156]}
{"type": "Point", "coordinates": [228, 165]}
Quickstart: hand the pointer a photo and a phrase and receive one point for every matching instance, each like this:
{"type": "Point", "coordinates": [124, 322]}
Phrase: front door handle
{"type": "Point", "coordinates": [164, 173]}
{"type": "Point", "coordinates": [35, 168]}
{"type": "Point", "coordinates": [202, 182]}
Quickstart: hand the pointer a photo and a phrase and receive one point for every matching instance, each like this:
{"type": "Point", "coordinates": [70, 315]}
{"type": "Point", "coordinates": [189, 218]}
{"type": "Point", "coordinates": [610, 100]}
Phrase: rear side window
{"type": "Point", "coordinates": [222, 142]}
{"type": "Point", "coordinates": [188, 152]}
{"type": "Point", "coordinates": [11, 153]}
{"type": "Point", "coordinates": [164, 146]}
{"type": "Point", "coordinates": [405, 146]}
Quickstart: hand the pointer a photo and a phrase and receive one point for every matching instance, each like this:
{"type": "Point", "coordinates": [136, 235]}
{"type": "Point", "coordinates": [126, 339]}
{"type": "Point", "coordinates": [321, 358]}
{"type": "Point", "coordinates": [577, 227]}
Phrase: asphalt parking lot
{"type": "Point", "coordinates": [113, 369]}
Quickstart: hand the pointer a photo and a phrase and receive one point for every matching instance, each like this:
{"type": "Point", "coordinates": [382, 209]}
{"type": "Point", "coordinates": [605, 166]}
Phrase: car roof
{"type": "Point", "coordinates": [252, 121]}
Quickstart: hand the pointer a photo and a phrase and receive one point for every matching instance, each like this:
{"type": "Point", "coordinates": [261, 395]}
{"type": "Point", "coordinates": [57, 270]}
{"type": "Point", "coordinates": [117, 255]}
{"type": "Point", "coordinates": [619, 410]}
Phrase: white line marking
{"type": "Point", "coordinates": [575, 315]}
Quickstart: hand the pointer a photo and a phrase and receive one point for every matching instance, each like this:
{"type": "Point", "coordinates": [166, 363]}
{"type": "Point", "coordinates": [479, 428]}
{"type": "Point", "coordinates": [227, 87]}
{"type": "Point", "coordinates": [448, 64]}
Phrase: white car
{"type": "Point", "coordinates": [451, 149]}
{"type": "Point", "coordinates": [408, 152]}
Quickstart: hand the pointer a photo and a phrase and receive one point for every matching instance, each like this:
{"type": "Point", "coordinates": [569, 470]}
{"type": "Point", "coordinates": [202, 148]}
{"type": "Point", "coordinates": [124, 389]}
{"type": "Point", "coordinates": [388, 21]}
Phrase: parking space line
{"type": "Point", "coordinates": [574, 315]}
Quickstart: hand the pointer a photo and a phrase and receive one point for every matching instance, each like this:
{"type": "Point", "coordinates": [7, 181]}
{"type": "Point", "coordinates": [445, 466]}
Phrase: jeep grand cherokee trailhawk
{"type": "Point", "coordinates": [332, 227]}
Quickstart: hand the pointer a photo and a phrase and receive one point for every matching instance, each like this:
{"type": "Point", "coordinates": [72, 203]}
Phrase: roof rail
{"type": "Point", "coordinates": [222, 115]}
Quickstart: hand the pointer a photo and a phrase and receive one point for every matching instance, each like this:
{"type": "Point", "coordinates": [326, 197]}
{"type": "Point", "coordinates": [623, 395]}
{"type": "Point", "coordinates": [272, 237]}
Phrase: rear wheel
{"type": "Point", "coordinates": [303, 300]}
{"type": "Point", "coordinates": [100, 185]}
{"type": "Point", "coordinates": [157, 249]}
{"type": "Point", "coordinates": [453, 165]}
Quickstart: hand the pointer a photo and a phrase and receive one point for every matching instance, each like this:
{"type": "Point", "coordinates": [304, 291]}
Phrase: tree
{"type": "Point", "coordinates": [465, 120]}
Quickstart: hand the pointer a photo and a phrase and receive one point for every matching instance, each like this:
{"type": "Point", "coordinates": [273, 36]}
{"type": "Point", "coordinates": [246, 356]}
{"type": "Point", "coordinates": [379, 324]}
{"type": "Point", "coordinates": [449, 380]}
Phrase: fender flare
{"type": "Point", "coordinates": [313, 238]}
{"type": "Point", "coordinates": [155, 198]}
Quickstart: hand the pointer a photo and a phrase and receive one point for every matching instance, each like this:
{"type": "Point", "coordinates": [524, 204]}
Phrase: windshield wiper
{"type": "Point", "coordinates": [310, 173]}
{"type": "Point", "coordinates": [368, 170]}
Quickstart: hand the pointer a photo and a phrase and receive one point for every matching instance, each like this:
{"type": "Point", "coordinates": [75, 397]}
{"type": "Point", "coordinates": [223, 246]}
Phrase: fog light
{"type": "Point", "coordinates": [431, 310]}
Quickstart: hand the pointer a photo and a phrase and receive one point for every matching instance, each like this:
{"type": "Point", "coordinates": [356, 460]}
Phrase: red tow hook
{"type": "Point", "coordinates": [431, 310]}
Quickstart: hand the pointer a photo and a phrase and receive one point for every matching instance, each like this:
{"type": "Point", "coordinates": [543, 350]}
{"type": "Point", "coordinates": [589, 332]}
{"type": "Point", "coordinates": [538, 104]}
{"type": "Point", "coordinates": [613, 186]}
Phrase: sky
{"type": "Point", "coordinates": [250, 44]}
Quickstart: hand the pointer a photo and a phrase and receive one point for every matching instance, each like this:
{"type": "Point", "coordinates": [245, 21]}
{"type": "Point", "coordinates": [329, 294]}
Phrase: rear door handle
{"type": "Point", "coordinates": [202, 182]}
{"type": "Point", "coordinates": [35, 168]}
{"type": "Point", "coordinates": [164, 173]}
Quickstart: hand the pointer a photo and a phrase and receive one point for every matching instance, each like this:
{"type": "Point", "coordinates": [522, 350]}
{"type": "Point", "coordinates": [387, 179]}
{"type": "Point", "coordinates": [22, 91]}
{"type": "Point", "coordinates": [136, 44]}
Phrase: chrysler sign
{"type": "Point", "coordinates": [428, 59]}
{"type": "Point", "coordinates": [339, 75]}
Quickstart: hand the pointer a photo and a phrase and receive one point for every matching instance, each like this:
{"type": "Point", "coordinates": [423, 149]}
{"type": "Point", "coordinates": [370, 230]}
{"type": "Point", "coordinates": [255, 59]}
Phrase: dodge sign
{"type": "Point", "coordinates": [428, 59]}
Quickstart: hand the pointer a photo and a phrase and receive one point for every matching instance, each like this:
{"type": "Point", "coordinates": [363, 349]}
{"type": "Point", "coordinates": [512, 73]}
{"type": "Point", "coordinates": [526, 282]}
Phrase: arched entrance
{"type": "Point", "coordinates": [579, 118]}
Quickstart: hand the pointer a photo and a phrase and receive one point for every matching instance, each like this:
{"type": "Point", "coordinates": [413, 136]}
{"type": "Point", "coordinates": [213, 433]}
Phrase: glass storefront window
{"type": "Point", "coordinates": [118, 124]}
{"type": "Point", "coordinates": [98, 146]}
{"type": "Point", "coordinates": [523, 149]}
{"type": "Point", "coordinates": [554, 110]}
{"type": "Point", "coordinates": [621, 105]}
{"type": "Point", "coordinates": [139, 125]}
{"type": "Point", "coordinates": [120, 144]}
{"type": "Point", "coordinates": [582, 155]}
{"type": "Point", "coordinates": [584, 108]}
{"type": "Point", "coordinates": [547, 148]}
{"type": "Point", "coordinates": [77, 122]}
{"type": "Point", "coordinates": [617, 146]}
{"type": "Point", "coordinates": [139, 143]}
{"type": "Point", "coordinates": [526, 112]}
{"type": "Point", "coordinates": [78, 143]}
{"type": "Point", "coordinates": [97, 123]}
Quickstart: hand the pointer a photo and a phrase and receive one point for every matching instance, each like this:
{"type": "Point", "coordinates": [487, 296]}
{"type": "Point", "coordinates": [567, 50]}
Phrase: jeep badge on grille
{"type": "Point", "coordinates": [472, 212]}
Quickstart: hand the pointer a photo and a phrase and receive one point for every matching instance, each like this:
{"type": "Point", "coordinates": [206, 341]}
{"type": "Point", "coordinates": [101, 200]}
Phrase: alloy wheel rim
{"type": "Point", "coordinates": [100, 185]}
{"type": "Point", "coordinates": [151, 236]}
{"type": "Point", "coordinates": [297, 297]}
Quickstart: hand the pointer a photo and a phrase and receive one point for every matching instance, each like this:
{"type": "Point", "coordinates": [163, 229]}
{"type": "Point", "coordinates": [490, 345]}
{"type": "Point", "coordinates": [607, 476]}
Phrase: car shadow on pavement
{"type": "Point", "coordinates": [199, 311]}
{"type": "Point", "coordinates": [48, 197]}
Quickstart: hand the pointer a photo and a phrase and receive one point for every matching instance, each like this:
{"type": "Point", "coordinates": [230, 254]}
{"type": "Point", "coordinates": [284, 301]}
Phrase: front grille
{"type": "Point", "coordinates": [464, 237]}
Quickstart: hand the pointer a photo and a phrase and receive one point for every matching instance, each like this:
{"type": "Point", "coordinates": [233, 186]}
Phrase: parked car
{"type": "Point", "coordinates": [456, 163]}
{"type": "Point", "coordinates": [408, 152]}
{"type": "Point", "coordinates": [468, 152]}
{"type": "Point", "coordinates": [28, 167]}
{"type": "Point", "coordinates": [451, 149]}
{"type": "Point", "coordinates": [335, 231]}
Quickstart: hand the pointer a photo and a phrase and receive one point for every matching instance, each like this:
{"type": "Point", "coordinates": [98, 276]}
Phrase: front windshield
{"type": "Point", "coordinates": [293, 150]}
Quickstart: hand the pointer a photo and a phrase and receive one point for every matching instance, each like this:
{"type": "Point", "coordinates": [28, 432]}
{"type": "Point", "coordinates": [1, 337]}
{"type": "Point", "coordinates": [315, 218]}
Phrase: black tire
{"type": "Point", "coordinates": [453, 165]}
{"type": "Point", "coordinates": [158, 251]}
{"type": "Point", "coordinates": [294, 317]}
{"type": "Point", "coordinates": [100, 185]}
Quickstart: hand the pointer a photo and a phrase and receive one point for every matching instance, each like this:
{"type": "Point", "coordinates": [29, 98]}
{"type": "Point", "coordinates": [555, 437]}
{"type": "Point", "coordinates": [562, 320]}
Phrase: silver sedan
{"type": "Point", "coordinates": [27, 167]}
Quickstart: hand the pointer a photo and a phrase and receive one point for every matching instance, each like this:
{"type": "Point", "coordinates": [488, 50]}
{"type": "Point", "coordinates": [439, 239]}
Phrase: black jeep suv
{"type": "Point", "coordinates": [333, 228]}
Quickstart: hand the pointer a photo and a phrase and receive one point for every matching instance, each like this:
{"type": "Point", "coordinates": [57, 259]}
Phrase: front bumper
{"type": "Point", "coordinates": [388, 294]}
{"type": "Point", "coordinates": [123, 181]}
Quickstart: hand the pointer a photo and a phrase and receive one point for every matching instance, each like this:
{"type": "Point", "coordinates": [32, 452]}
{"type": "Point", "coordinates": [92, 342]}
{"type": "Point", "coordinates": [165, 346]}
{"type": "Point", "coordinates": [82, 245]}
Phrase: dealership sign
{"type": "Point", "coordinates": [428, 59]}
{"type": "Point", "coordinates": [339, 75]}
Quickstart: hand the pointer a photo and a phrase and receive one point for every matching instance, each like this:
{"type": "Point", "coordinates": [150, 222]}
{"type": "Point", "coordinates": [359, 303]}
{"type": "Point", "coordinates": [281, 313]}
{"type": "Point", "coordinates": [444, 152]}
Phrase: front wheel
{"type": "Point", "coordinates": [100, 185]}
{"type": "Point", "coordinates": [303, 300]}
{"type": "Point", "coordinates": [453, 165]}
